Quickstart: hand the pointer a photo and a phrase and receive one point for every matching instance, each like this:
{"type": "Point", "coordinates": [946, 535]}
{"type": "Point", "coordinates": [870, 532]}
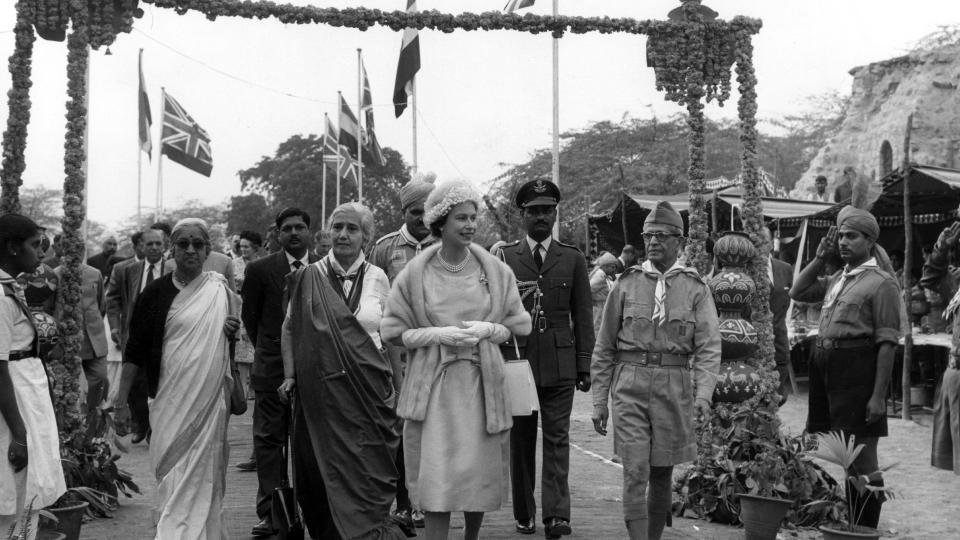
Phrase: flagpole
{"type": "Point", "coordinates": [139, 148]}
{"type": "Point", "coordinates": [413, 110]}
{"type": "Point", "coordinates": [158, 210]}
{"type": "Point", "coordinates": [339, 156]}
{"type": "Point", "coordinates": [323, 200]}
{"type": "Point", "coordinates": [359, 127]}
{"type": "Point", "coordinates": [556, 117]}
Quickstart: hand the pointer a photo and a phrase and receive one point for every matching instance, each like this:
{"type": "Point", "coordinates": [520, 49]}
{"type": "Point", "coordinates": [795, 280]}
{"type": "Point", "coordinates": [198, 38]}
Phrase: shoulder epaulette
{"type": "Point", "coordinates": [570, 246]}
{"type": "Point", "coordinates": [510, 244]}
{"type": "Point", "coordinates": [386, 236]}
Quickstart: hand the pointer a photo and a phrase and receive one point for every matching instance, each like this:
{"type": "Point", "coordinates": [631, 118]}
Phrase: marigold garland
{"type": "Point", "coordinates": [18, 104]}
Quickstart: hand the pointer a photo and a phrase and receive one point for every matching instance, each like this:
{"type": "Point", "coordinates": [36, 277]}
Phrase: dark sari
{"type": "Point", "coordinates": [342, 416]}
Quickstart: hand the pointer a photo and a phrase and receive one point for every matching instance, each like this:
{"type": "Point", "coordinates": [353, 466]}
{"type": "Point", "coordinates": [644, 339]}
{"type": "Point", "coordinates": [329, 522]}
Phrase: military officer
{"type": "Point", "coordinates": [553, 282]}
{"type": "Point", "coordinates": [659, 321]}
{"type": "Point", "coordinates": [391, 254]}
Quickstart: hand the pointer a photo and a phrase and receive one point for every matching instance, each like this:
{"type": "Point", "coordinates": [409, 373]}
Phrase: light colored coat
{"type": "Point", "coordinates": [91, 306]}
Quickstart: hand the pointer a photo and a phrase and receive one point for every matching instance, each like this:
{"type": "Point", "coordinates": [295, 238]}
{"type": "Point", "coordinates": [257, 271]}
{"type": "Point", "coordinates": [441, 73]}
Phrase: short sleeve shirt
{"type": "Point", "coordinates": [16, 332]}
{"type": "Point", "coordinates": [868, 306]}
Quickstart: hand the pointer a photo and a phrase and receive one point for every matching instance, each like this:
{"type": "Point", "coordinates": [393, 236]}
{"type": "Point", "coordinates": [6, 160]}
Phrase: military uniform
{"type": "Point", "coordinates": [557, 295]}
{"type": "Point", "coordinates": [392, 251]}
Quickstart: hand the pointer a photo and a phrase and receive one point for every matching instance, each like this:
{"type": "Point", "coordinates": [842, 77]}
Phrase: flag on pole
{"type": "Point", "coordinates": [183, 140]}
{"type": "Point", "coordinates": [408, 65]}
{"type": "Point", "coordinates": [514, 5]}
{"type": "Point", "coordinates": [145, 121]}
{"type": "Point", "coordinates": [348, 167]}
{"type": "Point", "coordinates": [349, 129]}
{"type": "Point", "coordinates": [330, 148]}
{"type": "Point", "coordinates": [370, 144]}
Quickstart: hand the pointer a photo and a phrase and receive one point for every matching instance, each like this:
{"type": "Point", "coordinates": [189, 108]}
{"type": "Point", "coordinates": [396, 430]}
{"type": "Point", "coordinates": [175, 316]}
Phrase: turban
{"type": "Point", "coordinates": [664, 214]}
{"type": "Point", "coordinates": [416, 190]}
{"type": "Point", "coordinates": [606, 258]}
{"type": "Point", "coordinates": [445, 197]}
{"type": "Point", "coordinates": [859, 220]}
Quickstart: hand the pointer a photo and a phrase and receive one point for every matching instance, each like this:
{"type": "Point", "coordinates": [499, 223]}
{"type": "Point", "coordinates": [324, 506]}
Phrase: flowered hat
{"type": "Point", "coordinates": [445, 197]}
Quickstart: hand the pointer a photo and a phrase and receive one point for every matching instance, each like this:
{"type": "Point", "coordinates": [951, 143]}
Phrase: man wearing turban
{"type": "Point", "coordinates": [391, 253]}
{"type": "Point", "coordinates": [659, 324]}
{"type": "Point", "coordinates": [946, 409]}
{"type": "Point", "coordinates": [858, 335]}
{"type": "Point", "coordinates": [601, 281]}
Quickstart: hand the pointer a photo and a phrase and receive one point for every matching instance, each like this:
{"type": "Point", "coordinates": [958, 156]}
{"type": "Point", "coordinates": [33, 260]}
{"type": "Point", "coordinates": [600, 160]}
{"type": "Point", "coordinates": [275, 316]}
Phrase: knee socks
{"type": "Point", "coordinates": [659, 501]}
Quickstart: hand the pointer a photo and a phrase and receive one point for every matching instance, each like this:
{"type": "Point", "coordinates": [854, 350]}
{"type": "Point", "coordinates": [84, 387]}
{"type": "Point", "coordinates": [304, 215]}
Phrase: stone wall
{"type": "Point", "coordinates": [871, 137]}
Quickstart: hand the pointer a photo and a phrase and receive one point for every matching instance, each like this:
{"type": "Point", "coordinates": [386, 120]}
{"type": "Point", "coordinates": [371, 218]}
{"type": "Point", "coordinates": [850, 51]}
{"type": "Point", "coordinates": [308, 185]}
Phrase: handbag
{"type": "Point", "coordinates": [238, 399]}
{"type": "Point", "coordinates": [283, 502]}
{"type": "Point", "coordinates": [520, 385]}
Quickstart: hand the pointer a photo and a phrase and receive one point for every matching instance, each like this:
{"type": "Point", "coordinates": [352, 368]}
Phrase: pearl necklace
{"type": "Point", "coordinates": [453, 268]}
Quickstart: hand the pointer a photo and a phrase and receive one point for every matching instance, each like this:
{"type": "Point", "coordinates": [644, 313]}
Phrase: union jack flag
{"type": "Point", "coordinates": [183, 140]}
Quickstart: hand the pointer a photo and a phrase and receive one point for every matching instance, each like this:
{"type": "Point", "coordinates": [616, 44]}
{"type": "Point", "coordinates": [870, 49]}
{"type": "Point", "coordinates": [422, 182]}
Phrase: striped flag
{"type": "Point", "coordinates": [349, 130]}
{"type": "Point", "coordinates": [348, 167]}
{"type": "Point", "coordinates": [330, 147]}
{"type": "Point", "coordinates": [183, 140]}
{"type": "Point", "coordinates": [144, 119]}
{"type": "Point", "coordinates": [514, 5]}
{"type": "Point", "coordinates": [371, 147]}
{"type": "Point", "coordinates": [408, 65]}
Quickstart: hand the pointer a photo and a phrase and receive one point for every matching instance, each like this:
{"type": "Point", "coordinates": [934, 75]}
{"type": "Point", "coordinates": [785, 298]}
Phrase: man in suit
{"type": "Point", "coordinates": [93, 348]}
{"type": "Point", "coordinates": [781, 279]}
{"type": "Point", "coordinates": [107, 258]}
{"type": "Point", "coordinates": [262, 316]}
{"type": "Point", "coordinates": [553, 282]}
{"type": "Point", "coordinates": [126, 282]}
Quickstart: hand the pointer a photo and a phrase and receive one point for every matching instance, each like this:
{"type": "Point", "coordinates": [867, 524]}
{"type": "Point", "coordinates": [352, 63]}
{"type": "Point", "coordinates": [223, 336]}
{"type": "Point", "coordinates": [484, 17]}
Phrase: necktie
{"type": "Point", "coordinates": [537, 257]}
{"type": "Point", "coordinates": [150, 275]}
{"type": "Point", "coordinates": [296, 265]}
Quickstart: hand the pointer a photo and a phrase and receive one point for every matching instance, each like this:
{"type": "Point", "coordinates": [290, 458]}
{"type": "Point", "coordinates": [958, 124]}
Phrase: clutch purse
{"type": "Point", "coordinates": [520, 386]}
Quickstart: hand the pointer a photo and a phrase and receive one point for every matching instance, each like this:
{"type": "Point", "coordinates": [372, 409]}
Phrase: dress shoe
{"type": "Point", "coordinates": [404, 520]}
{"type": "Point", "coordinates": [264, 528]}
{"type": "Point", "coordinates": [526, 527]}
{"type": "Point", "coordinates": [248, 466]}
{"type": "Point", "coordinates": [417, 517]}
{"type": "Point", "coordinates": [140, 436]}
{"type": "Point", "coordinates": [556, 527]}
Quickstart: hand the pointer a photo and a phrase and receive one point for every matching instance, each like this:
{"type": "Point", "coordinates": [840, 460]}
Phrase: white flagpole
{"type": "Point", "coordinates": [413, 110]}
{"type": "Point", "coordinates": [556, 117]}
{"type": "Point", "coordinates": [139, 149]}
{"type": "Point", "coordinates": [339, 157]}
{"type": "Point", "coordinates": [359, 126]}
{"type": "Point", "coordinates": [158, 209]}
{"type": "Point", "coordinates": [323, 162]}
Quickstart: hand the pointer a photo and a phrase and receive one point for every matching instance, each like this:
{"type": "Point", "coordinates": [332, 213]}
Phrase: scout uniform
{"type": "Point", "coordinates": [557, 295]}
{"type": "Point", "coordinates": [392, 251]}
{"type": "Point", "coordinates": [645, 349]}
{"type": "Point", "coordinates": [946, 411]}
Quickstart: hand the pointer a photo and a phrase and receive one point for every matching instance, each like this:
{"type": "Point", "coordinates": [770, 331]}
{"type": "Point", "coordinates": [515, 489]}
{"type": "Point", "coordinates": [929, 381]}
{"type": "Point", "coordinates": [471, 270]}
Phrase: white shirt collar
{"type": "Point", "coordinates": [305, 260]}
{"type": "Point", "coordinates": [545, 243]}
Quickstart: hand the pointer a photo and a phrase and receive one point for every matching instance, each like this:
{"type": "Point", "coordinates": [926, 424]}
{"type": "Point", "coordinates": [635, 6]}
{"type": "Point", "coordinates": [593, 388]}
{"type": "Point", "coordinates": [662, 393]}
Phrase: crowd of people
{"type": "Point", "coordinates": [378, 367]}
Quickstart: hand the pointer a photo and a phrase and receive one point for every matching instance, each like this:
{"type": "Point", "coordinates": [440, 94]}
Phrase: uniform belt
{"type": "Point", "coordinates": [644, 359]}
{"type": "Point", "coordinates": [20, 355]}
{"type": "Point", "coordinates": [844, 343]}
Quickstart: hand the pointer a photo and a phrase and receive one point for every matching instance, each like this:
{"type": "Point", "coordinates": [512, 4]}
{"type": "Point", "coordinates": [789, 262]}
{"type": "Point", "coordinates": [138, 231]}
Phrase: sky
{"type": "Point", "coordinates": [484, 97]}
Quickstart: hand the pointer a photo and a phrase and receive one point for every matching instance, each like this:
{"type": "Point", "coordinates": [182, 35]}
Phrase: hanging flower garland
{"type": "Point", "coordinates": [364, 18]}
{"type": "Point", "coordinates": [67, 370]}
{"type": "Point", "coordinates": [18, 105]}
{"type": "Point", "coordinates": [693, 91]}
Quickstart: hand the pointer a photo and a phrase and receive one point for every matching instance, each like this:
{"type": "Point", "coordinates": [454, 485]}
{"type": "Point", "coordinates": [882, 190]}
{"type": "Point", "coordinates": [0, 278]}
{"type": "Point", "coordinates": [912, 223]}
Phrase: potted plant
{"type": "Point", "coordinates": [835, 448]}
{"type": "Point", "coordinates": [766, 501]}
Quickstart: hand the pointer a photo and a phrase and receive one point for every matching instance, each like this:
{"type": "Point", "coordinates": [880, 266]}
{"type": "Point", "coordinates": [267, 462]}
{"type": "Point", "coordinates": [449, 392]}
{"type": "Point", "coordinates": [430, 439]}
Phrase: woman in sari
{"type": "Point", "coordinates": [345, 434]}
{"type": "Point", "coordinates": [450, 307]}
{"type": "Point", "coordinates": [31, 477]}
{"type": "Point", "coordinates": [178, 333]}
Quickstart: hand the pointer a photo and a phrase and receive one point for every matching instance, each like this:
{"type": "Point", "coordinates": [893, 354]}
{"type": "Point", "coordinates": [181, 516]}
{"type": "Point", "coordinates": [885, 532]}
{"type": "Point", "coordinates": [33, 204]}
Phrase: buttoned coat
{"type": "Point", "coordinates": [561, 342]}
{"type": "Point", "coordinates": [262, 315]}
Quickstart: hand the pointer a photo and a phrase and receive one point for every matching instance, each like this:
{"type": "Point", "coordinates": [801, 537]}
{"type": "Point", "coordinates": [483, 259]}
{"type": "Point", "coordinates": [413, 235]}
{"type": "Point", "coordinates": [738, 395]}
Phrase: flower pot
{"type": "Point", "coordinates": [860, 532]}
{"type": "Point", "coordinates": [761, 516]}
{"type": "Point", "coordinates": [45, 534]}
{"type": "Point", "coordinates": [70, 518]}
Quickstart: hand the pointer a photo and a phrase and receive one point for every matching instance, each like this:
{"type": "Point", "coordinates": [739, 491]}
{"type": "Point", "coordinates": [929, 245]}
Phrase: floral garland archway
{"type": "Point", "coordinates": [692, 55]}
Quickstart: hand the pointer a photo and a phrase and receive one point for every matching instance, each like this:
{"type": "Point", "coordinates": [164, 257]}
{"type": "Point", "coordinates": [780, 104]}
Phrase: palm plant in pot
{"type": "Point", "coordinates": [834, 447]}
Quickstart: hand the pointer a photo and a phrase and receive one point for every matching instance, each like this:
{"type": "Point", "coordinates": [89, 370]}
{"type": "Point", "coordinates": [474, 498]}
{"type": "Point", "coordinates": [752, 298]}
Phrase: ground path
{"type": "Point", "coordinates": [928, 507]}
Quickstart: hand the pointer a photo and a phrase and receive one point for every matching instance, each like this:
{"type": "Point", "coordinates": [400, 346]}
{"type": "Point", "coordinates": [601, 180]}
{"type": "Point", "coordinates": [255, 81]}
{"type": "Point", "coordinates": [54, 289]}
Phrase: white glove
{"type": "Point", "coordinates": [495, 332]}
{"type": "Point", "coordinates": [447, 335]}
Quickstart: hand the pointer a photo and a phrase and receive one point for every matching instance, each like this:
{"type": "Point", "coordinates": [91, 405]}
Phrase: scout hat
{"type": "Point", "coordinates": [538, 193]}
{"type": "Point", "coordinates": [663, 214]}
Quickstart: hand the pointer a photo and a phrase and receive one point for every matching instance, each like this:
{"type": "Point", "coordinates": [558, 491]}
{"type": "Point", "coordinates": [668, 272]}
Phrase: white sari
{"type": "Point", "coordinates": [189, 416]}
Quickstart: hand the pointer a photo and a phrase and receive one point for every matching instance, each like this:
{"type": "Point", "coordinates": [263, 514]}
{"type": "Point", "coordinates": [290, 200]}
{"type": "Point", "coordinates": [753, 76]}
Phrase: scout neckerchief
{"type": "Point", "coordinates": [347, 283]}
{"type": "Point", "coordinates": [847, 275]}
{"type": "Point", "coordinates": [660, 293]}
{"type": "Point", "coordinates": [418, 245]}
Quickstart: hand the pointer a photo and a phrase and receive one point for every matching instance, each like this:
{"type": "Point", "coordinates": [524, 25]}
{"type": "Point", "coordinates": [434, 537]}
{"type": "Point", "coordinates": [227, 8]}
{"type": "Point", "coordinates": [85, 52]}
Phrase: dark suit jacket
{"type": "Point", "coordinates": [122, 292]}
{"type": "Point", "coordinates": [779, 304]}
{"type": "Point", "coordinates": [105, 264]}
{"type": "Point", "coordinates": [561, 343]}
{"type": "Point", "coordinates": [262, 317]}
